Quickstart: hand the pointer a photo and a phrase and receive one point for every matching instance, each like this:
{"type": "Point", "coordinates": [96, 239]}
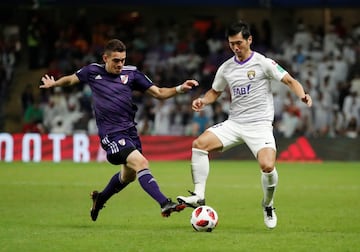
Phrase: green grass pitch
{"type": "Point", "coordinates": [45, 207]}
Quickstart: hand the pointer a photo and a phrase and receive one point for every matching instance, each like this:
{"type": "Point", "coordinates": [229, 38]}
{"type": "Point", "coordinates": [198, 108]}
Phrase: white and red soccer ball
{"type": "Point", "coordinates": [204, 219]}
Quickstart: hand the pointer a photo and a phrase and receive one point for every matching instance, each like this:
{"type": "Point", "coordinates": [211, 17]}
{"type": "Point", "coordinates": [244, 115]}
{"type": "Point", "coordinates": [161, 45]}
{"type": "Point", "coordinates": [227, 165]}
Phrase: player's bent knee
{"type": "Point", "coordinates": [129, 178]}
{"type": "Point", "coordinates": [199, 144]}
{"type": "Point", "coordinates": [137, 162]}
{"type": "Point", "coordinates": [266, 168]}
{"type": "Point", "coordinates": [144, 163]}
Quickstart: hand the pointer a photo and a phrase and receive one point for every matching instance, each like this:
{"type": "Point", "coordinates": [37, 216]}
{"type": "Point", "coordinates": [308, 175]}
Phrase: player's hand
{"type": "Point", "coordinates": [47, 81]}
{"type": "Point", "coordinates": [307, 100]}
{"type": "Point", "coordinates": [188, 85]}
{"type": "Point", "coordinates": [198, 104]}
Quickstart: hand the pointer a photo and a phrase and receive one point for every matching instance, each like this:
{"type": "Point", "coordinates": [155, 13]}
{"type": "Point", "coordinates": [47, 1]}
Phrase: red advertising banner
{"type": "Point", "coordinates": [33, 147]}
{"type": "Point", "coordinates": [84, 148]}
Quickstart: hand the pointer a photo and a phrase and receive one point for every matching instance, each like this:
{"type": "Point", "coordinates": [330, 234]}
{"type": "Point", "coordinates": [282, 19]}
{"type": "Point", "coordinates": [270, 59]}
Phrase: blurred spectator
{"type": "Point", "coordinates": [85, 100]}
{"type": "Point", "coordinates": [331, 41]}
{"type": "Point", "coordinates": [81, 125]}
{"type": "Point", "coordinates": [33, 118]}
{"type": "Point", "coordinates": [299, 58]}
{"type": "Point", "coordinates": [11, 34]}
{"type": "Point", "coordinates": [27, 97]}
{"type": "Point", "coordinates": [54, 108]}
{"type": "Point", "coordinates": [323, 115]}
{"type": "Point", "coordinates": [290, 117]}
{"type": "Point", "coordinates": [162, 111]}
{"type": "Point", "coordinates": [200, 123]}
{"type": "Point", "coordinates": [34, 41]}
{"type": "Point", "coordinates": [339, 27]}
{"type": "Point", "coordinates": [302, 36]}
{"type": "Point", "coordinates": [146, 117]}
{"type": "Point", "coordinates": [74, 116]}
{"type": "Point", "coordinates": [341, 69]}
{"type": "Point", "coordinates": [219, 114]}
{"type": "Point", "coordinates": [339, 124]}
{"type": "Point", "coordinates": [355, 83]}
{"type": "Point", "coordinates": [351, 130]}
{"type": "Point", "coordinates": [351, 107]}
{"type": "Point", "coordinates": [8, 60]}
{"type": "Point", "coordinates": [58, 126]}
{"type": "Point", "coordinates": [343, 89]}
{"type": "Point", "coordinates": [177, 126]}
{"type": "Point", "coordinates": [60, 103]}
{"type": "Point", "coordinates": [50, 115]}
{"type": "Point", "coordinates": [92, 126]}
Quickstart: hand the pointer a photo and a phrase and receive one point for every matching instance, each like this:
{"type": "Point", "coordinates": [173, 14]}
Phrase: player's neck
{"type": "Point", "coordinates": [245, 56]}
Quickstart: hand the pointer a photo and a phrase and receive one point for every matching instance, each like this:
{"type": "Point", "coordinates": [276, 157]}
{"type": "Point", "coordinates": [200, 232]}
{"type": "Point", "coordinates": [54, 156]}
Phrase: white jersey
{"type": "Point", "coordinates": [250, 87]}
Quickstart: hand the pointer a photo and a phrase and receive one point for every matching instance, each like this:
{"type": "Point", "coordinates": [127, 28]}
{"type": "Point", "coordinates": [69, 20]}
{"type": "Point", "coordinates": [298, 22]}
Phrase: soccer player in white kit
{"type": "Point", "coordinates": [248, 75]}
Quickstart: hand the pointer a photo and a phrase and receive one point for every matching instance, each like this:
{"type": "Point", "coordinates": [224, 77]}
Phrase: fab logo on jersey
{"type": "Point", "coordinates": [241, 90]}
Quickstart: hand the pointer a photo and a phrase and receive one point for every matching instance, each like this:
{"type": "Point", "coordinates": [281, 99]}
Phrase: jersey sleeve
{"type": "Point", "coordinates": [273, 69]}
{"type": "Point", "coordinates": [219, 83]}
{"type": "Point", "coordinates": [83, 74]}
{"type": "Point", "coordinates": [142, 81]}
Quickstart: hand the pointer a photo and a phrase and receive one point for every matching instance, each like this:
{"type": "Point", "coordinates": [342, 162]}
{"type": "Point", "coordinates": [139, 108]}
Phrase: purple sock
{"type": "Point", "coordinates": [148, 183]}
{"type": "Point", "coordinates": [114, 186]}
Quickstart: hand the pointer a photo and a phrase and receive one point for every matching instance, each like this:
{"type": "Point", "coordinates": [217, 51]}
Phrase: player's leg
{"type": "Point", "coordinates": [260, 140]}
{"type": "Point", "coordinates": [117, 182]}
{"type": "Point", "coordinates": [269, 175]}
{"type": "Point", "coordinates": [200, 167]}
{"type": "Point", "coordinates": [115, 185]}
{"type": "Point", "coordinates": [269, 180]}
{"type": "Point", "coordinates": [140, 165]}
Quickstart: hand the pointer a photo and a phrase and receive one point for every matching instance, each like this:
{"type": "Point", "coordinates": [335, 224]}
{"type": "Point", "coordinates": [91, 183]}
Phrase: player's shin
{"type": "Point", "coordinates": [269, 182]}
{"type": "Point", "coordinates": [115, 185]}
{"type": "Point", "coordinates": [149, 184]}
{"type": "Point", "coordinates": [200, 171]}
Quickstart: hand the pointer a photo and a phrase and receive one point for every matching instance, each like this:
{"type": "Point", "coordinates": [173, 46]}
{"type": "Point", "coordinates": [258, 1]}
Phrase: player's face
{"type": "Point", "coordinates": [114, 62]}
{"type": "Point", "coordinates": [240, 46]}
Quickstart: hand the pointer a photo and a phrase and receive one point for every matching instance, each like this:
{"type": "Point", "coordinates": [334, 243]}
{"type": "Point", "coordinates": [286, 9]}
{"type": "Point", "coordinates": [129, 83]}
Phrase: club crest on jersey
{"type": "Point", "coordinates": [122, 142]}
{"type": "Point", "coordinates": [251, 74]}
{"type": "Point", "coordinates": [124, 79]}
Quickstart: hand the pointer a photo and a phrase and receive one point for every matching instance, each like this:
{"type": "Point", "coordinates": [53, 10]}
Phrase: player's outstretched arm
{"type": "Point", "coordinates": [164, 93]}
{"type": "Point", "coordinates": [49, 81]}
{"type": "Point", "coordinates": [297, 89]}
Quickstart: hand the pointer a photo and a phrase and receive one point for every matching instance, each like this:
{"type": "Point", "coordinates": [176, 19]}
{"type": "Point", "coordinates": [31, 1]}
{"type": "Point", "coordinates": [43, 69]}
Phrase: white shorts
{"type": "Point", "coordinates": [255, 135]}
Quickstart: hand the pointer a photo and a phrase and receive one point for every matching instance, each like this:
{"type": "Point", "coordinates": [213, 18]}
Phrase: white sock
{"type": "Point", "coordinates": [200, 170]}
{"type": "Point", "coordinates": [269, 182]}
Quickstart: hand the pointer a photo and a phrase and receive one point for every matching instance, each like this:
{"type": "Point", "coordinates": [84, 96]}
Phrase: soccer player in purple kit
{"type": "Point", "coordinates": [112, 84]}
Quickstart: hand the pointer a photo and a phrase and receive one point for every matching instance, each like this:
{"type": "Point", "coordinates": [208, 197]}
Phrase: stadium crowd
{"type": "Point", "coordinates": [326, 61]}
{"type": "Point", "coordinates": [10, 47]}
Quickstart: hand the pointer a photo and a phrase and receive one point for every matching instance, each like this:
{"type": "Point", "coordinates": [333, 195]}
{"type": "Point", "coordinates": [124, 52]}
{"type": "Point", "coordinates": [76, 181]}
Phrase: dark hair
{"type": "Point", "coordinates": [114, 45]}
{"type": "Point", "coordinates": [237, 27]}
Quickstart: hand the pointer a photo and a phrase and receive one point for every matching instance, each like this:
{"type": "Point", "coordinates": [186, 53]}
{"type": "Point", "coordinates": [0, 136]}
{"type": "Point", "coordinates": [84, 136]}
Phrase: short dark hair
{"type": "Point", "coordinates": [237, 27]}
{"type": "Point", "coordinates": [114, 45]}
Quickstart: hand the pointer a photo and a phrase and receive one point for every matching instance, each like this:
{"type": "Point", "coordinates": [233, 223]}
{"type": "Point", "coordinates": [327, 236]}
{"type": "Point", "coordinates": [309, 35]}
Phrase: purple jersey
{"type": "Point", "coordinates": [112, 95]}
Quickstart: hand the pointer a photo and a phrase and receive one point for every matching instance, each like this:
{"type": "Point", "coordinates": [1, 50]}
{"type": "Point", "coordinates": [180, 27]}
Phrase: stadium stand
{"type": "Point", "coordinates": [324, 55]}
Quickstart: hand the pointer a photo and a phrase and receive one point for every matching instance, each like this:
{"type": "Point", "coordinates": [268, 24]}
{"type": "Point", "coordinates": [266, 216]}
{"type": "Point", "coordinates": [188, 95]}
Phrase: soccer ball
{"type": "Point", "coordinates": [204, 219]}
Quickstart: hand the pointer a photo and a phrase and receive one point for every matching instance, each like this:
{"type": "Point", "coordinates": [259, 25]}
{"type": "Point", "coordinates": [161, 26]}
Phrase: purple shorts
{"type": "Point", "coordinates": [119, 145]}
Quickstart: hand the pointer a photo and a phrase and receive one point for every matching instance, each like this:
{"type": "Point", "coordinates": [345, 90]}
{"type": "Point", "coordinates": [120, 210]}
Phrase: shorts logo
{"type": "Point", "coordinates": [251, 74]}
{"type": "Point", "coordinates": [122, 142]}
{"type": "Point", "coordinates": [124, 78]}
